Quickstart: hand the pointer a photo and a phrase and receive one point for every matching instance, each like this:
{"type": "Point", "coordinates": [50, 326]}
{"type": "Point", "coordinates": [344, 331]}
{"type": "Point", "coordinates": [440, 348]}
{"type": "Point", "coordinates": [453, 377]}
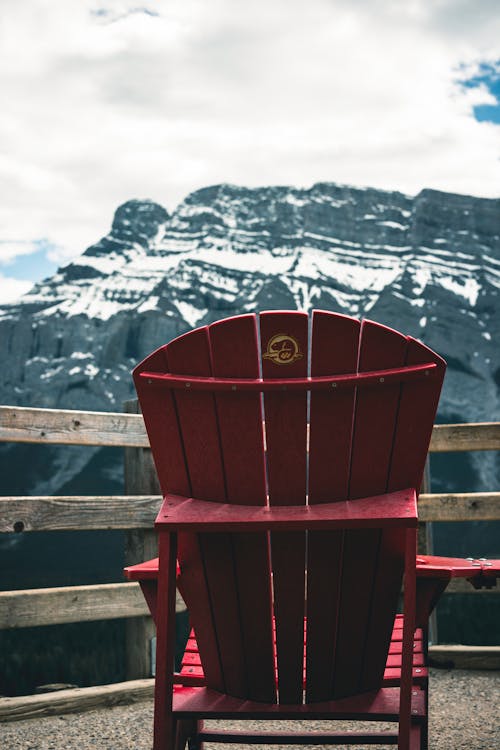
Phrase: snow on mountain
{"type": "Point", "coordinates": [428, 265]}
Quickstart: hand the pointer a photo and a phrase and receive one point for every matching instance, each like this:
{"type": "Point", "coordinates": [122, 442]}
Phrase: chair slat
{"type": "Point", "coordinates": [324, 571]}
{"type": "Point", "coordinates": [386, 588]}
{"type": "Point", "coordinates": [284, 347]}
{"type": "Point", "coordinates": [252, 566]}
{"type": "Point", "coordinates": [234, 350]}
{"type": "Point", "coordinates": [218, 557]}
{"type": "Point", "coordinates": [194, 586]}
{"type": "Point", "coordinates": [376, 410]}
{"type": "Point", "coordinates": [358, 574]}
{"type": "Point", "coordinates": [334, 350]}
{"type": "Point", "coordinates": [372, 443]}
{"type": "Point", "coordinates": [417, 410]}
{"type": "Point", "coordinates": [335, 342]}
{"type": "Point", "coordinates": [284, 353]}
{"type": "Point", "coordinates": [160, 417]}
{"type": "Point", "coordinates": [190, 355]}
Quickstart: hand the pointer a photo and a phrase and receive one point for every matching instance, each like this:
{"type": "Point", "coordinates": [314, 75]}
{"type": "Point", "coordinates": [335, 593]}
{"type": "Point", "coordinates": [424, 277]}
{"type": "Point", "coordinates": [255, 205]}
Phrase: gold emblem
{"type": "Point", "coordinates": [282, 349]}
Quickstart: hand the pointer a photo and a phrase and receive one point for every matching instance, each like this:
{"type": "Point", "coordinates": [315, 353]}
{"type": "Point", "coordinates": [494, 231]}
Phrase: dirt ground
{"type": "Point", "coordinates": [464, 715]}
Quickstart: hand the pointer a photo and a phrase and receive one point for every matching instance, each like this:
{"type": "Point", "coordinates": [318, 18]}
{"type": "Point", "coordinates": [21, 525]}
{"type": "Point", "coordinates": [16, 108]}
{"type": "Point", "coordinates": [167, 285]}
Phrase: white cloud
{"type": "Point", "coordinates": [108, 103]}
{"type": "Point", "coordinates": [12, 289]}
{"type": "Point", "coordinates": [11, 249]}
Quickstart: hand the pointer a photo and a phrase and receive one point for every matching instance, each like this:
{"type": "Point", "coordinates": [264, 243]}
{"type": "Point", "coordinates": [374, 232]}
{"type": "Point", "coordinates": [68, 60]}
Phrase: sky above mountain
{"type": "Point", "coordinates": [107, 100]}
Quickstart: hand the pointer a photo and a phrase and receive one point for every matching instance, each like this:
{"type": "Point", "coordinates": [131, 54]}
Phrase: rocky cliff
{"type": "Point", "coordinates": [427, 265]}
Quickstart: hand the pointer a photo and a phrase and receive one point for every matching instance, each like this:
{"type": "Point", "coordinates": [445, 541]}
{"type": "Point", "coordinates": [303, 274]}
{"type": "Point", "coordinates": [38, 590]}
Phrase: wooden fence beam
{"type": "Point", "coordinates": [133, 691]}
{"type": "Point", "coordinates": [464, 657]}
{"type": "Point", "coordinates": [50, 606]}
{"type": "Point", "coordinates": [90, 512]}
{"type": "Point", "coordinates": [462, 586]}
{"type": "Point", "coordinates": [67, 427]}
{"type": "Point", "coordinates": [75, 699]}
{"type": "Point", "coordinates": [78, 513]}
{"type": "Point", "coordinates": [463, 506]}
{"type": "Point", "coordinates": [483, 436]}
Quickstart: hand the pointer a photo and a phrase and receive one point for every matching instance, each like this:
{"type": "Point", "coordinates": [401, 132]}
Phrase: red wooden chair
{"type": "Point", "coordinates": [289, 543]}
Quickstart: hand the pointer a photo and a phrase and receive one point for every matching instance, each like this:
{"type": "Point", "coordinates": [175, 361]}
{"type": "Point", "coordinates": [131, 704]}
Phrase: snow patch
{"type": "Point", "coordinates": [294, 200]}
{"type": "Point", "coordinates": [421, 278]}
{"type": "Point", "coordinates": [92, 306]}
{"type": "Point", "coordinates": [103, 263]}
{"type": "Point", "coordinates": [81, 355]}
{"type": "Point", "coordinates": [91, 370]}
{"type": "Point", "coordinates": [373, 277]}
{"type": "Point", "coordinates": [393, 225]}
{"type": "Point", "coordinates": [466, 288]}
{"type": "Point", "coordinates": [190, 313]}
{"type": "Point", "coordinates": [50, 373]}
{"type": "Point", "coordinates": [150, 304]}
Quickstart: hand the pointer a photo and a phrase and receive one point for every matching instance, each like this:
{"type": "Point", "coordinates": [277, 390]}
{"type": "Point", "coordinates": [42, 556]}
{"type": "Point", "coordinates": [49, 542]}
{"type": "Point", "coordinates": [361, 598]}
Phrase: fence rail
{"type": "Point", "coordinates": [67, 427]}
{"type": "Point", "coordinates": [92, 512]}
{"type": "Point", "coordinates": [136, 512]}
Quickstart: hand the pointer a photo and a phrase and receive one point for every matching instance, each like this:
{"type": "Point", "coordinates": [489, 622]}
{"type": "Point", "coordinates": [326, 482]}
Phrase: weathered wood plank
{"type": "Point", "coordinates": [465, 657]}
{"type": "Point", "coordinates": [66, 427]}
{"type": "Point", "coordinates": [76, 699]}
{"type": "Point", "coordinates": [68, 513]}
{"type": "Point", "coordinates": [466, 506]}
{"type": "Point", "coordinates": [462, 586]}
{"type": "Point", "coordinates": [71, 513]}
{"type": "Point", "coordinates": [483, 436]}
{"type": "Point", "coordinates": [34, 607]}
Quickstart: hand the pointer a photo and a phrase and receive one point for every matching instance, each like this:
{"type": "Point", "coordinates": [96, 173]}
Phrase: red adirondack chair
{"type": "Point", "coordinates": [290, 458]}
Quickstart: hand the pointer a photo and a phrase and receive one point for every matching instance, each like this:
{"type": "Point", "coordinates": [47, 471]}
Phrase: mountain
{"type": "Point", "coordinates": [428, 265]}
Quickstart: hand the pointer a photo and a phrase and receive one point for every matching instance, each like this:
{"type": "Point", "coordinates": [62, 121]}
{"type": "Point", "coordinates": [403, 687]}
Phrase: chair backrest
{"type": "Point", "coordinates": [255, 599]}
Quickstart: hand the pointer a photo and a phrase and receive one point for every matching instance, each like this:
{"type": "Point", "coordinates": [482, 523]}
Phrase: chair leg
{"type": "Point", "coordinates": [416, 737]}
{"type": "Point", "coordinates": [165, 733]}
{"type": "Point", "coordinates": [424, 739]}
{"type": "Point", "coordinates": [164, 721]}
{"type": "Point", "coordinates": [187, 730]}
{"type": "Point", "coordinates": [194, 742]}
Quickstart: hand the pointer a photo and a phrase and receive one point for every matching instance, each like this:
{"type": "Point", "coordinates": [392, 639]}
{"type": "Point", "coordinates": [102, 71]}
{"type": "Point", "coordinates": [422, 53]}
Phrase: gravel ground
{"type": "Point", "coordinates": [464, 715]}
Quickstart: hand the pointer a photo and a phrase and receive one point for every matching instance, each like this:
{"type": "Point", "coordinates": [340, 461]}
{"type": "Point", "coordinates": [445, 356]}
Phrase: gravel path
{"type": "Point", "coordinates": [464, 715]}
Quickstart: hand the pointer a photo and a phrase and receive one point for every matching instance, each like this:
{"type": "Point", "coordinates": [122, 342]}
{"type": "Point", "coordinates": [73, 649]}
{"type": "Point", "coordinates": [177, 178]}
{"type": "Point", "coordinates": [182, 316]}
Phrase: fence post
{"type": "Point", "coordinates": [140, 545]}
{"type": "Point", "coordinates": [426, 544]}
{"type": "Point", "coordinates": [424, 537]}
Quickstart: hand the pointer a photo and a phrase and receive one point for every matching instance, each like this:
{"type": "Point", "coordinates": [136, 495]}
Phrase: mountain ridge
{"type": "Point", "coordinates": [428, 265]}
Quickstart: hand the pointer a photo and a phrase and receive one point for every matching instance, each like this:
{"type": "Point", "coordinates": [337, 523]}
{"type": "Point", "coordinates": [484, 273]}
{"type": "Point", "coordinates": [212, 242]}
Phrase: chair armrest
{"type": "Point", "coordinates": [395, 509]}
{"type": "Point", "coordinates": [146, 571]}
{"type": "Point", "coordinates": [481, 573]}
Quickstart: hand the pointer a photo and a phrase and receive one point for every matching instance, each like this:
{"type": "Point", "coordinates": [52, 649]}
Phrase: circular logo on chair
{"type": "Point", "coordinates": [282, 349]}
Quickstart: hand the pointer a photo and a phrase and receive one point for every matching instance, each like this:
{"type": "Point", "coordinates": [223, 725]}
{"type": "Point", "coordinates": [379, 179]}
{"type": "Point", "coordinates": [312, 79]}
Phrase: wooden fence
{"type": "Point", "coordinates": [135, 513]}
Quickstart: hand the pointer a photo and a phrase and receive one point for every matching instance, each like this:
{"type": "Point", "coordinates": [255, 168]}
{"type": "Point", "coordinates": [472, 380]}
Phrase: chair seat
{"type": "Point", "coordinates": [191, 672]}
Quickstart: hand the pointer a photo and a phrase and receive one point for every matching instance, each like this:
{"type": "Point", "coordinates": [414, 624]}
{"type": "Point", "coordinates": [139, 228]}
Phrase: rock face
{"type": "Point", "coordinates": [428, 266]}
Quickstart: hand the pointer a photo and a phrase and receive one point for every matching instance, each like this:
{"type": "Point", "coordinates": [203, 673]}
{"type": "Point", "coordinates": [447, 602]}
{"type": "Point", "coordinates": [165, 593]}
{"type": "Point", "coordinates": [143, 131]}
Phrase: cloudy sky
{"type": "Point", "coordinates": [108, 100]}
